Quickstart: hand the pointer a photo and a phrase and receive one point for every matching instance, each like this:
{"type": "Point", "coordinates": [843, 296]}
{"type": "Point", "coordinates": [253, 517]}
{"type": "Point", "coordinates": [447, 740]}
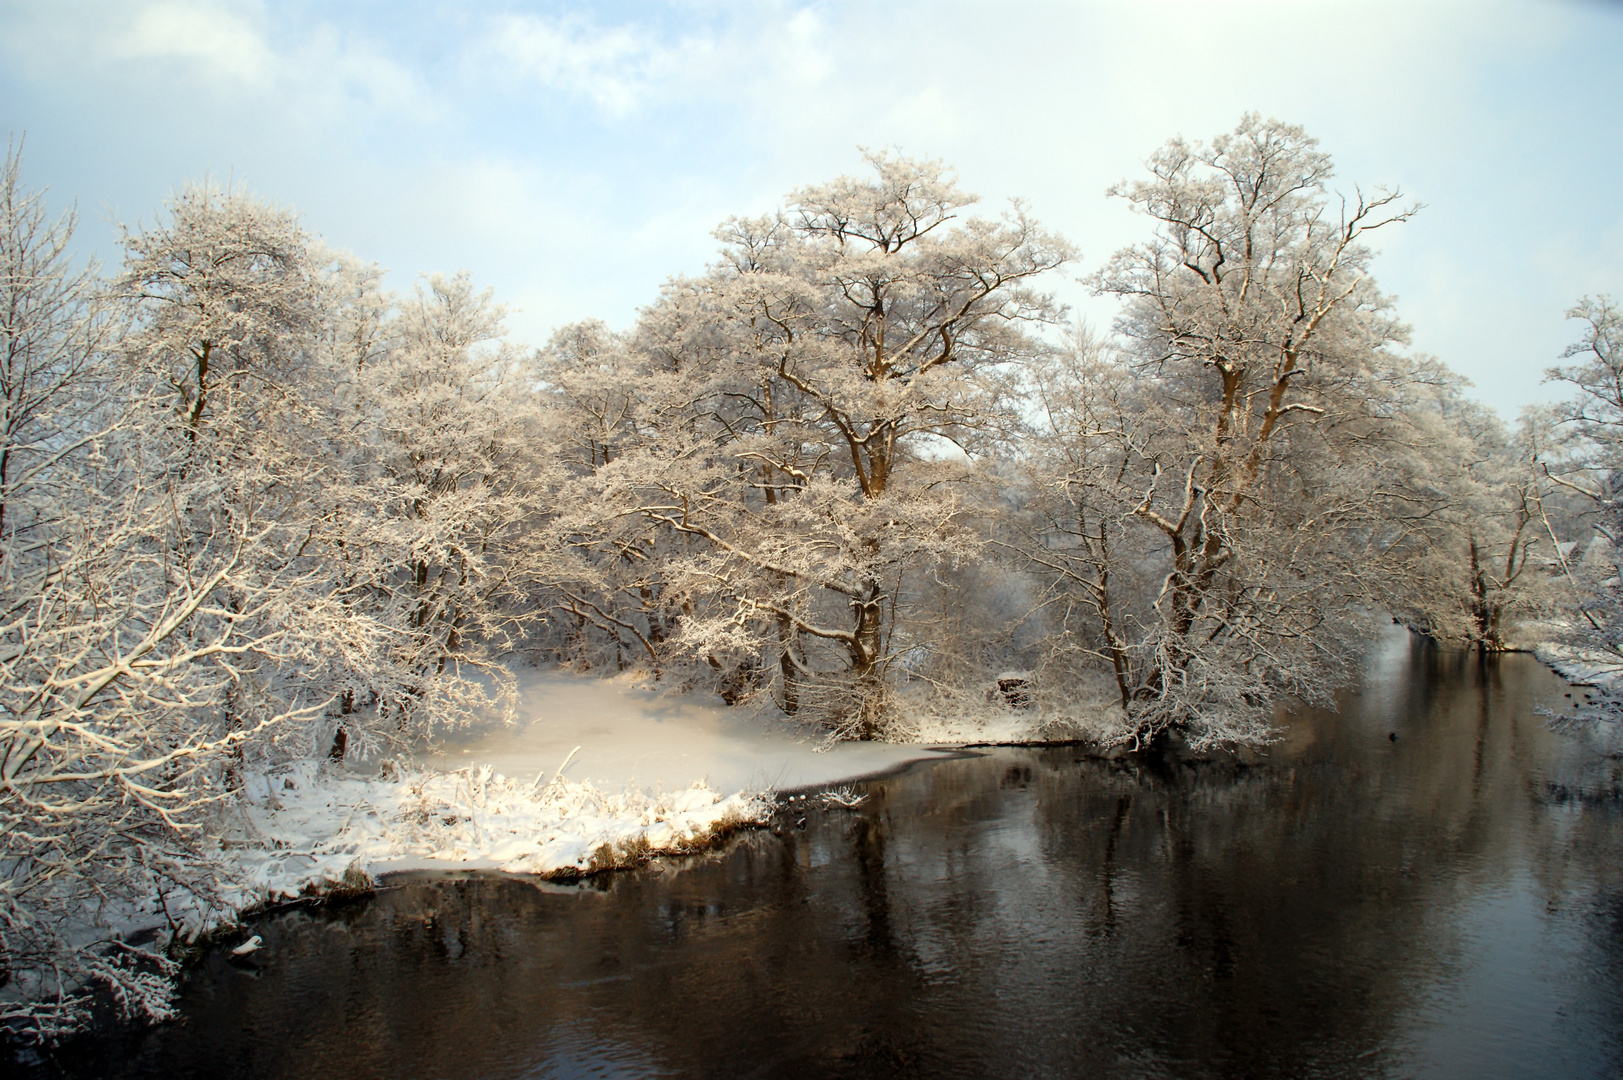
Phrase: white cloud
{"type": "Point", "coordinates": [773, 54]}
{"type": "Point", "coordinates": [219, 39]}
{"type": "Point", "coordinates": [617, 68]}
{"type": "Point", "coordinates": [220, 52]}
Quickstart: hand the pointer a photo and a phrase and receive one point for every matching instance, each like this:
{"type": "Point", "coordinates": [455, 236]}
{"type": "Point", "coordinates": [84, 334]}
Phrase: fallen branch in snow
{"type": "Point", "coordinates": [557, 775]}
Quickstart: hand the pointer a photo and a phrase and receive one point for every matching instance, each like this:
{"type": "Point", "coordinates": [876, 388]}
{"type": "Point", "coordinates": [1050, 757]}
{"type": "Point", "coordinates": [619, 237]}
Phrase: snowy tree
{"type": "Point", "coordinates": [382, 437]}
{"type": "Point", "coordinates": [1592, 468]}
{"type": "Point", "coordinates": [238, 353]}
{"type": "Point", "coordinates": [1484, 547]}
{"type": "Point", "coordinates": [813, 396]}
{"type": "Point", "coordinates": [52, 338]}
{"type": "Point", "coordinates": [1219, 473]}
{"type": "Point", "coordinates": [187, 509]}
{"type": "Point", "coordinates": [128, 638]}
{"type": "Point", "coordinates": [444, 504]}
{"type": "Point", "coordinates": [602, 575]}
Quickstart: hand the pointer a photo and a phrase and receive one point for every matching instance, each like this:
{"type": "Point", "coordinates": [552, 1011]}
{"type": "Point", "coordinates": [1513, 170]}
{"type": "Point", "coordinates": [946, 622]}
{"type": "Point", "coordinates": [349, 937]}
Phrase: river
{"type": "Point", "coordinates": [1446, 903]}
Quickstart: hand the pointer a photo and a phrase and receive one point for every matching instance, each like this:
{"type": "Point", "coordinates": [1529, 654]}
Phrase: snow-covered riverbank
{"type": "Point", "coordinates": [1580, 666]}
{"type": "Point", "coordinates": [310, 827]}
{"type": "Point", "coordinates": [630, 737]}
{"type": "Point", "coordinates": [594, 774]}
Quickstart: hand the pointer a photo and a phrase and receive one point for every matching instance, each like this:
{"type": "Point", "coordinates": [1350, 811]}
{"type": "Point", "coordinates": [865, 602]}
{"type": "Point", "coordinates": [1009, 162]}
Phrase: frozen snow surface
{"type": "Point", "coordinates": [595, 773]}
{"type": "Point", "coordinates": [645, 739]}
{"type": "Point", "coordinates": [1581, 666]}
{"type": "Point", "coordinates": [310, 825]}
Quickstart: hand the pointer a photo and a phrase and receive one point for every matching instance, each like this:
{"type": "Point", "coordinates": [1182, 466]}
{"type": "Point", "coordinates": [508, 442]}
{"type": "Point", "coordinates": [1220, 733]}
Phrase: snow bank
{"type": "Point", "coordinates": [307, 825]}
{"type": "Point", "coordinates": [1580, 665]}
{"type": "Point", "coordinates": [630, 737]}
{"type": "Point", "coordinates": [595, 774]}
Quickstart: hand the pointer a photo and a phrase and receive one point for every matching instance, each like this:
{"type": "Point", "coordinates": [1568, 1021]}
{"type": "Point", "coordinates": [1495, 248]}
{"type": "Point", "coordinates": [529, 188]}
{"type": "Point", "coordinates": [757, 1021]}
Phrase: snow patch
{"type": "Point", "coordinates": [1588, 667]}
{"type": "Point", "coordinates": [595, 773]}
{"type": "Point", "coordinates": [633, 737]}
{"type": "Point", "coordinates": [317, 826]}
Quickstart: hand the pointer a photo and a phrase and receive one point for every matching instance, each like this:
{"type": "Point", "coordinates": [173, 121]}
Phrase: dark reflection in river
{"type": "Point", "coordinates": [1446, 904]}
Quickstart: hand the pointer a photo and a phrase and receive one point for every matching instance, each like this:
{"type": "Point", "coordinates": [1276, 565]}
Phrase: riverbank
{"type": "Point", "coordinates": [1443, 903]}
{"type": "Point", "coordinates": [594, 774]}
{"type": "Point", "coordinates": [1578, 666]}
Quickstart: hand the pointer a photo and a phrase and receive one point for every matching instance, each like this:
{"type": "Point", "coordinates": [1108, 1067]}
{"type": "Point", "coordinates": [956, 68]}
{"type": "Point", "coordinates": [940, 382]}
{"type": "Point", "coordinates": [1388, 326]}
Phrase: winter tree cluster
{"type": "Point", "coordinates": [862, 467]}
{"type": "Point", "coordinates": [252, 507]}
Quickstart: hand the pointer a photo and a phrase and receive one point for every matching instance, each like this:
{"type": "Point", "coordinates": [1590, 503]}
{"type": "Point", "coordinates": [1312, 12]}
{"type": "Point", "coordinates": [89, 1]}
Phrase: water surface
{"type": "Point", "coordinates": [1448, 903]}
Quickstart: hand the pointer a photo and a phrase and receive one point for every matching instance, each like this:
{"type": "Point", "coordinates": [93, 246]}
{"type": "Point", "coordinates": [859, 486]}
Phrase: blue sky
{"type": "Point", "coordinates": [573, 156]}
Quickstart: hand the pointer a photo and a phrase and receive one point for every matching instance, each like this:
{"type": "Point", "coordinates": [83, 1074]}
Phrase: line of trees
{"type": "Point", "coordinates": [252, 505]}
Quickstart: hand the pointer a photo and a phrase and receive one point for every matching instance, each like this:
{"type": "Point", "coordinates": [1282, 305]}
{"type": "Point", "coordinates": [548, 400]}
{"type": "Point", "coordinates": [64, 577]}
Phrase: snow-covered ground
{"type": "Point", "coordinates": [307, 825]}
{"type": "Point", "coordinates": [1580, 666]}
{"type": "Point", "coordinates": [595, 773]}
{"type": "Point", "coordinates": [636, 738]}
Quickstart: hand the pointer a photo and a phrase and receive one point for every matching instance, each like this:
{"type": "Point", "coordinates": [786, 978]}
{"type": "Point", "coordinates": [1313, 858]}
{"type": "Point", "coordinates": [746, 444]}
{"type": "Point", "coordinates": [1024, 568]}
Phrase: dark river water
{"type": "Point", "coordinates": [1446, 904]}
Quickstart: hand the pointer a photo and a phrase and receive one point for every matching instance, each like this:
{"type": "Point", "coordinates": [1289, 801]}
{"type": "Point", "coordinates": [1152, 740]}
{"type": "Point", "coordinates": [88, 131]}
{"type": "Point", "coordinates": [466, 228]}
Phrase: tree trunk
{"type": "Point", "coordinates": [789, 664]}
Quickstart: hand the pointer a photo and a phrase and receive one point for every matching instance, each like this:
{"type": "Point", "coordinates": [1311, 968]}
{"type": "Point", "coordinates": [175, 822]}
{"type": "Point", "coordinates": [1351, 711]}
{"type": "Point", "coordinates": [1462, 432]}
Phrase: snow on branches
{"type": "Point", "coordinates": [788, 444]}
{"type": "Point", "coordinates": [255, 509]}
{"type": "Point", "coordinates": [249, 511]}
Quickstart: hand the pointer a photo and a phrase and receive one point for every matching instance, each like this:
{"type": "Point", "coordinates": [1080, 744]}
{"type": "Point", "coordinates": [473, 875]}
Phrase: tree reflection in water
{"type": "Point", "coordinates": [1447, 903]}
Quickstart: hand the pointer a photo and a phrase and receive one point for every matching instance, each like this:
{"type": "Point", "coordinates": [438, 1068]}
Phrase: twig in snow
{"type": "Point", "coordinates": [557, 775]}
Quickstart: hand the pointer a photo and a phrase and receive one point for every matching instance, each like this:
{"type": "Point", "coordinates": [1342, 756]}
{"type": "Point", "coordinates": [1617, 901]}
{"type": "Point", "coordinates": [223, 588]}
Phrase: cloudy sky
{"type": "Point", "coordinates": [572, 156]}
